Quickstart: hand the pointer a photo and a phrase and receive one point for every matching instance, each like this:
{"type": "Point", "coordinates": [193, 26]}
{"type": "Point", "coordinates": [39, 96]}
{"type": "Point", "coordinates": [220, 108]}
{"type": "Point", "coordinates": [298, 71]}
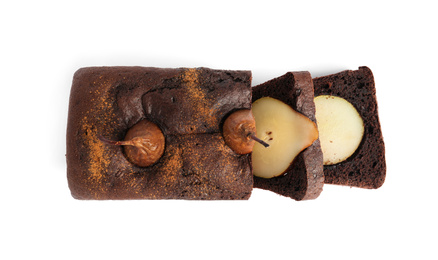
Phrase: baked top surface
{"type": "Point", "coordinates": [188, 105]}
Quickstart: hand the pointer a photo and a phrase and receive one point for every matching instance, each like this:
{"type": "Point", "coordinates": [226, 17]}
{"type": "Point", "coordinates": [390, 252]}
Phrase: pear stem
{"type": "Point", "coordinates": [255, 138]}
{"type": "Point", "coordinates": [111, 142]}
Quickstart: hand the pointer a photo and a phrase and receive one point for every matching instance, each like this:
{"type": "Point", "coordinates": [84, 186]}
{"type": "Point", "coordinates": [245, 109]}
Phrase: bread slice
{"type": "Point", "coordinates": [304, 178]}
{"type": "Point", "coordinates": [366, 168]}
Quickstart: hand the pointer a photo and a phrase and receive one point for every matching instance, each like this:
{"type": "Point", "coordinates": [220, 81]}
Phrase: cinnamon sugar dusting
{"type": "Point", "coordinates": [98, 160]}
{"type": "Point", "coordinates": [172, 165]}
{"type": "Point", "coordinates": [197, 98]}
{"type": "Point", "coordinates": [169, 174]}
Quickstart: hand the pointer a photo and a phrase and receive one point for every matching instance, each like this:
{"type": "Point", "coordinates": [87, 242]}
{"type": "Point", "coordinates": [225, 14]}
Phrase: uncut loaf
{"type": "Point", "coordinates": [188, 105]}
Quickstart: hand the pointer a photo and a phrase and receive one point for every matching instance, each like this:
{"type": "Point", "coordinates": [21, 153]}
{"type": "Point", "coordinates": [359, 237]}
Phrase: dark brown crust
{"type": "Point", "coordinates": [366, 168]}
{"type": "Point", "coordinates": [304, 179]}
{"type": "Point", "coordinates": [196, 163]}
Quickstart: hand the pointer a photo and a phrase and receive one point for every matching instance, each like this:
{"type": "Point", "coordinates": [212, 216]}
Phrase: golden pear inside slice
{"type": "Point", "coordinates": [340, 128]}
{"type": "Point", "coordinates": [285, 130]}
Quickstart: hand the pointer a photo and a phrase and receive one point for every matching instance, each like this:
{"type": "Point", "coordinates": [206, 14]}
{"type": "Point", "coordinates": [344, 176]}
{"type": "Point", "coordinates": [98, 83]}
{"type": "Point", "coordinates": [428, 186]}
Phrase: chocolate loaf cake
{"type": "Point", "coordinates": [188, 105]}
{"type": "Point", "coordinates": [366, 168]}
{"type": "Point", "coordinates": [304, 178]}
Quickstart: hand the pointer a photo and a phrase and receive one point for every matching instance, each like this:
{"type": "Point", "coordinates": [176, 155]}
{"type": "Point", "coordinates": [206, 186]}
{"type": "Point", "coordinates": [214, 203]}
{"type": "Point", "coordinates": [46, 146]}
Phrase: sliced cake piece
{"type": "Point", "coordinates": [304, 178]}
{"type": "Point", "coordinates": [366, 167]}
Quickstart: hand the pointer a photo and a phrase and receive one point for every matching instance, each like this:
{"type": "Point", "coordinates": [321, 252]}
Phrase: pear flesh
{"type": "Point", "coordinates": [285, 130]}
{"type": "Point", "coordinates": [340, 128]}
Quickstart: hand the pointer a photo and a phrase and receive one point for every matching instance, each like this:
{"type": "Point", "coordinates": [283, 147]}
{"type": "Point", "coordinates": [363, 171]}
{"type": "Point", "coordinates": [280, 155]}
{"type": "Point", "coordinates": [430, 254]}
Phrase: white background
{"type": "Point", "coordinates": [44, 42]}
